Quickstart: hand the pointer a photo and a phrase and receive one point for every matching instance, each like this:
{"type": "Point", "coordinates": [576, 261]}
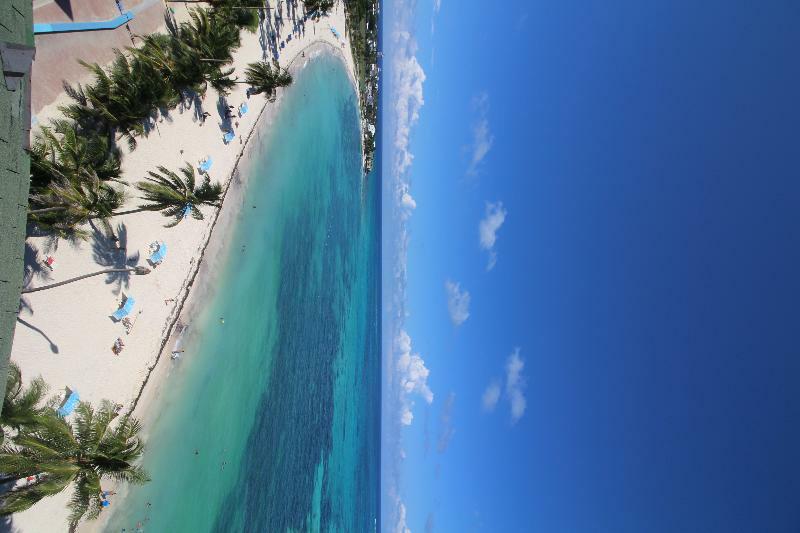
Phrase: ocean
{"type": "Point", "coordinates": [271, 419]}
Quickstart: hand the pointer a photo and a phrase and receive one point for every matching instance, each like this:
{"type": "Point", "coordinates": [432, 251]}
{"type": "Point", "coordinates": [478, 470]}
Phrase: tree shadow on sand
{"type": "Point", "coordinates": [7, 525]}
{"type": "Point", "coordinates": [33, 270]}
{"type": "Point", "coordinates": [106, 253]}
{"type": "Point", "coordinates": [225, 113]}
{"type": "Point", "coordinates": [53, 346]}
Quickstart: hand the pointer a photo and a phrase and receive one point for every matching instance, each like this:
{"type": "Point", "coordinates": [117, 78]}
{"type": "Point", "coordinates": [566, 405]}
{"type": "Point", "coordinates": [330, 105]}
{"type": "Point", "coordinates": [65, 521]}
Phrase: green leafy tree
{"type": "Point", "coordinates": [67, 204]}
{"type": "Point", "coordinates": [319, 6]}
{"type": "Point", "coordinates": [22, 406]}
{"type": "Point", "coordinates": [58, 453]}
{"type": "Point", "coordinates": [212, 37]}
{"type": "Point", "coordinates": [121, 99]}
{"type": "Point", "coordinates": [178, 195]}
{"type": "Point", "coordinates": [264, 79]}
{"type": "Point", "coordinates": [62, 153]}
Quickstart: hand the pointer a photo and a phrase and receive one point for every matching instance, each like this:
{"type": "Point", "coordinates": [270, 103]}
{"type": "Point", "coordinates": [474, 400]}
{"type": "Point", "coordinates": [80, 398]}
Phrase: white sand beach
{"type": "Point", "coordinates": [66, 334]}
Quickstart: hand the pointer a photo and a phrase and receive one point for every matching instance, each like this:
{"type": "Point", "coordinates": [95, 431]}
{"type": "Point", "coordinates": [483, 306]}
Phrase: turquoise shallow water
{"type": "Point", "coordinates": [281, 402]}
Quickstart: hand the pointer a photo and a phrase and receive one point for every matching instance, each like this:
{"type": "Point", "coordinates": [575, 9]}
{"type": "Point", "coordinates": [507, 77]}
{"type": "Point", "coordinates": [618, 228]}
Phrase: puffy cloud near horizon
{"type": "Point", "coordinates": [412, 377]}
{"type": "Point", "coordinates": [400, 517]}
{"type": "Point", "coordinates": [457, 302]}
{"type": "Point", "coordinates": [482, 138]}
{"type": "Point", "coordinates": [406, 372]}
{"type": "Point", "coordinates": [515, 383]}
{"type": "Point", "coordinates": [487, 230]}
{"type": "Point", "coordinates": [407, 81]}
{"type": "Point", "coordinates": [490, 396]}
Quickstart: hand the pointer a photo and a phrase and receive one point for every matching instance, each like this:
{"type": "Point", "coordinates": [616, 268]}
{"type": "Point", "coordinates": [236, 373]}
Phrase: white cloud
{"type": "Point", "coordinates": [407, 95]}
{"type": "Point", "coordinates": [514, 388]}
{"type": "Point", "coordinates": [412, 376]}
{"type": "Point", "coordinates": [490, 396]}
{"type": "Point", "coordinates": [437, 6]}
{"type": "Point", "coordinates": [515, 383]}
{"type": "Point", "coordinates": [482, 137]}
{"type": "Point", "coordinates": [405, 371]}
{"type": "Point", "coordinates": [407, 201]}
{"type": "Point", "coordinates": [488, 227]}
{"type": "Point", "coordinates": [457, 302]}
{"type": "Point", "coordinates": [400, 517]}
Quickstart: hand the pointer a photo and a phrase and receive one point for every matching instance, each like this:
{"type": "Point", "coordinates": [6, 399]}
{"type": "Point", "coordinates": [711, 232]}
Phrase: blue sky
{"type": "Point", "coordinates": [592, 219]}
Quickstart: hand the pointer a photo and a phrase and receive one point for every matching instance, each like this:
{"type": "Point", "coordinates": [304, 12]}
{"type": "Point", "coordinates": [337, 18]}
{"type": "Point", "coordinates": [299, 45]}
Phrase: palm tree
{"type": "Point", "coordinates": [321, 6]}
{"type": "Point", "coordinates": [85, 452]}
{"type": "Point", "coordinates": [176, 196]}
{"type": "Point", "coordinates": [62, 153]}
{"type": "Point", "coordinates": [21, 406]}
{"type": "Point", "coordinates": [263, 78]}
{"type": "Point", "coordinates": [68, 203]}
{"type": "Point", "coordinates": [121, 99]}
{"type": "Point", "coordinates": [212, 37]}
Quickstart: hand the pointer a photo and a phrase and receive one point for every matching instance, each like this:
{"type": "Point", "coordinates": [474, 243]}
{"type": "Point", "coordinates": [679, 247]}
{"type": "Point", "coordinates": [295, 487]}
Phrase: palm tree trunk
{"type": "Point", "coordinates": [139, 270]}
{"type": "Point", "coordinates": [47, 210]}
{"type": "Point", "coordinates": [128, 212]}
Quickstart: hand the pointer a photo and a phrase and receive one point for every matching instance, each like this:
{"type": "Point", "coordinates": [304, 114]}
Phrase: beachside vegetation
{"type": "Point", "coordinates": [319, 6]}
{"type": "Point", "coordinates": [75, 164]}
{"type": "Point", "coordinates": [123, 98]}
{"type": "Point", "coordinates": [362, 27]}
{"type": "Point", "coordinates": [177, 196]}
{"type": "Point", "coordinates": [43, 453]}
{"type": "Point", "coordinates": [22, 406]}
{"type": "Point", "coordinates": [265, 78]}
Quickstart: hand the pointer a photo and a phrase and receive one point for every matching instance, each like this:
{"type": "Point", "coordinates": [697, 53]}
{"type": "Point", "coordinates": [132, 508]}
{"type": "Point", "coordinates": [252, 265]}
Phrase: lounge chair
{"type": "Point", "coordinates": [158, 255]}
{"type": "Point", "coordinates": [71, 399]}
{"type": "Point", "coordinates": [205, 164]}
{"type": "Point", "coordinates": [125, 309]}
{"type": "Point", "coordinates": [229, 136]}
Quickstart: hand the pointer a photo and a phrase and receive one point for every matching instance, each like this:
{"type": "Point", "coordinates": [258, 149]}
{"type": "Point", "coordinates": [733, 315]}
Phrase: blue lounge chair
{"type": "Point", "coordinates": [69, 404]}
{"type": "Point", "coordinates": [243, 109]}
{"type": "Point", "coordinates": [125, 310]}
{"type": "Point", "coordinates": [159, 255]}
{"type": "Point", "coordinates": [229, 137]}
{"type": "Point", "coordinates": [205, 166]}
{"type": "Point", "coordinates": [335, 33]}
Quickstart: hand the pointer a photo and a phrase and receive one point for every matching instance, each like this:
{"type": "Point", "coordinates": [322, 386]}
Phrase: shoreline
{"type": "Point", "coordinates": [206, 271]}
{"type": "Point", "coordinates": [80, 358]}
{"type": "Point", "coordinates": [185, 305]}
